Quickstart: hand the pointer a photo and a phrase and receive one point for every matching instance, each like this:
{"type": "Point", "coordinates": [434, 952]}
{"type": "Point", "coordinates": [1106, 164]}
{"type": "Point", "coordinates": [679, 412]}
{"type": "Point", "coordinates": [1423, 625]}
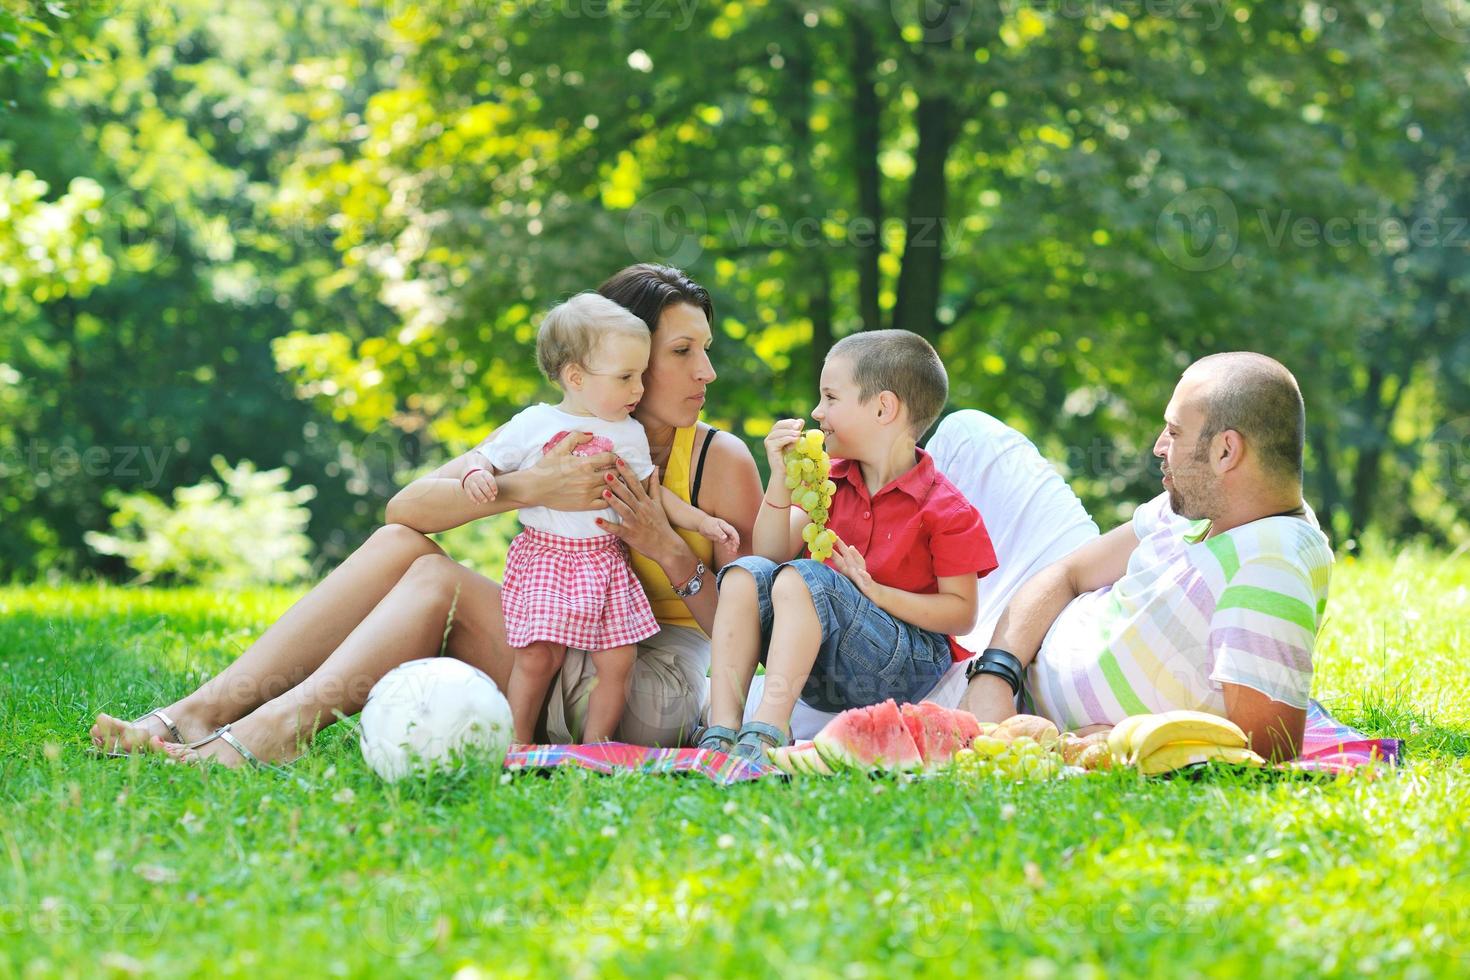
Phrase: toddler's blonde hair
{"type": "Point", "coordinates": [571, 332]}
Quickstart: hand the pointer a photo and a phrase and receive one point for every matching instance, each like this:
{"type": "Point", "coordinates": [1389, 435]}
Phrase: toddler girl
{"type": "Point", "coordinates": [567, 581]}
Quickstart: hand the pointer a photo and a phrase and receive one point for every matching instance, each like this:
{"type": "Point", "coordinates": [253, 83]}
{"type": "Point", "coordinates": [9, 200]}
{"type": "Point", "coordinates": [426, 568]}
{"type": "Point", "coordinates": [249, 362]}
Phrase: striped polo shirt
{"type": "Point", "coordinates": [1190, 614]}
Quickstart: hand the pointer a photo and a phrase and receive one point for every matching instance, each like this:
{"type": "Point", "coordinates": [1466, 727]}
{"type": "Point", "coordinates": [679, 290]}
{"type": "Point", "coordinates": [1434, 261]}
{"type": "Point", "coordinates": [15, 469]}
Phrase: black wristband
{"type": "Point", "coordinates": [1001, 663]}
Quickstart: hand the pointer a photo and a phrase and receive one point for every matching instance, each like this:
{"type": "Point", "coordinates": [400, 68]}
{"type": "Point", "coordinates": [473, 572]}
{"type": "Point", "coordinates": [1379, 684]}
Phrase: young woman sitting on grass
{"type": "Point", "coordinates": [389, 601]}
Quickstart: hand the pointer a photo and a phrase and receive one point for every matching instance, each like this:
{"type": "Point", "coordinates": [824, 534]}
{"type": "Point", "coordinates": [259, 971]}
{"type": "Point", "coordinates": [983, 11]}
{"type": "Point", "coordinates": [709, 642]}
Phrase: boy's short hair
{"type": "Point", "coordinates": [571, 332]}
{"type": "Point", "coordinates": [903, 363]}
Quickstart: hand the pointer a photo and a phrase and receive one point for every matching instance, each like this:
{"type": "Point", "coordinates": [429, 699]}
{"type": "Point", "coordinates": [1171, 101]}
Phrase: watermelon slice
{"type": "Point", "coordinates": [939, 732]}
{"type": "Point", "coordinates": [807, 754]}
{"type": "Point", "coordinates": [780, 758]}
{"type": "Point", "coordinates": [874, 737]}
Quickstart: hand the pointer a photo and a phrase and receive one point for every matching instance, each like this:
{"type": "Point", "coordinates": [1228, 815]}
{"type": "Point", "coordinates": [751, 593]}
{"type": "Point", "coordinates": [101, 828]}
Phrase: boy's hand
{"type": "Point", "coordinates": [721, 533]}
{"type": "Point", "coordinates": [783, 435]}
{"type": "Point", "coordinates": [481, 486]}
{"type": "Point", "coordinates": [850, 562]}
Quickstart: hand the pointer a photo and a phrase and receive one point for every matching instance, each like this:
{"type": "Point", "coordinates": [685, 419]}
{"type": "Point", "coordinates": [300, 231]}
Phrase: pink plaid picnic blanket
{"type": "Point", "coordinates": [1327, 746]}
{"type": "Point", "coordinates": [1330, 746]}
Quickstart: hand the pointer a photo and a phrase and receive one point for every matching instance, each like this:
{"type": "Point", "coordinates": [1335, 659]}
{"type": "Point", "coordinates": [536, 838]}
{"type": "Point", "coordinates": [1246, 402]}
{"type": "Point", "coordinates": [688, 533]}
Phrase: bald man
{"type": "Point", "coordinates": [1209, 599]}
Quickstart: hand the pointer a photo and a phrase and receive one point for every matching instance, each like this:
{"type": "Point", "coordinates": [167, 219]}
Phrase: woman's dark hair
{"type": "Point", "coordinates": [647, 290]}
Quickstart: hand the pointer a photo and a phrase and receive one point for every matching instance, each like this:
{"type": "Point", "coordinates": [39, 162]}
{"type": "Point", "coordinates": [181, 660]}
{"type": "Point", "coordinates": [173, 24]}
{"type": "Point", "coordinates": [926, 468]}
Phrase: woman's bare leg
{"type": "Point", "coordinates": [407, 624]}
{"type": "Point", "coordinates": [297, 644]}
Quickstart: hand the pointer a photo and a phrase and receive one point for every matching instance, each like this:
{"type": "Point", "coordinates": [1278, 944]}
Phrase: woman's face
{"type": "Point", "coordinates": [679, 369]}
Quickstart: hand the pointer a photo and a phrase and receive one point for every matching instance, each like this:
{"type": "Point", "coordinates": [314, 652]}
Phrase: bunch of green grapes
{"type": "Point", "coordinates": [1019, 758]}
{"type": "Point", "coordinates": [807, 466]}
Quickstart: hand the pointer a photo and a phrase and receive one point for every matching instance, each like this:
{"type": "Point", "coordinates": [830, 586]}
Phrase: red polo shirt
{"type": "Point", "coordinates": [913, 532]}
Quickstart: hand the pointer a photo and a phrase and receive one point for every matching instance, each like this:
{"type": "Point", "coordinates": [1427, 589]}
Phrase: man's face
{"type": "Point", "coordinates": [1194, 488]}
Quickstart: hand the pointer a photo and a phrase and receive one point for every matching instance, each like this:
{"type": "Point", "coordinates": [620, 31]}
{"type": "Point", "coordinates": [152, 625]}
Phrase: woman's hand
{"type": "Point", "coordinates": [566, 482]}
{"type": "Point", "coordinates": [645, 527]}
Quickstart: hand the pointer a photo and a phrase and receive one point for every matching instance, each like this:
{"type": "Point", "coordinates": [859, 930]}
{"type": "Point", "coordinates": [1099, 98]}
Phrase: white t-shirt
{"type": "Point", "coordinates": [521, 442]}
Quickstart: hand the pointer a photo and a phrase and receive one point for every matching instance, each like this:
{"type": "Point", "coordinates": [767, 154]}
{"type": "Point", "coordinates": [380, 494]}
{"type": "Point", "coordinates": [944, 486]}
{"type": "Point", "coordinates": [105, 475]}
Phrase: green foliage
{"type": "Point", "coordinates": [342, 219]}
{"type": "Point", "coordinates": [247, 529]}
{"type": "Point", "coordinates": [139, 867]}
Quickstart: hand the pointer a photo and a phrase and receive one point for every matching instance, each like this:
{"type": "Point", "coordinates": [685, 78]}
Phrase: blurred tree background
{"type": "Point", "coordinates": [317, 236]}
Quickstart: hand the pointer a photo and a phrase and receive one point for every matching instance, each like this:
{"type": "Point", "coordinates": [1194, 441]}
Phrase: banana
{"type": "Point", "coordinates": [1176, 755]}
{"type": "Point", "coordinates": [1156, 731]}
{"type": "Point", "coordinates": [1119, 739]}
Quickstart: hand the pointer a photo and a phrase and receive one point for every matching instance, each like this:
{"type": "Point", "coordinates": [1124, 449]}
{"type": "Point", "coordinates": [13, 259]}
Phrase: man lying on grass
{"type": "Point", "coordinates": [1209, 599]}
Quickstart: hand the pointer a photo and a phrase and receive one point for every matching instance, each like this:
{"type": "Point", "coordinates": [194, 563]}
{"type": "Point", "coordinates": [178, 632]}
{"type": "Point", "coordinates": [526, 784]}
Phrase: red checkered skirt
{"type": "Point", "coordinates": [578, 591]}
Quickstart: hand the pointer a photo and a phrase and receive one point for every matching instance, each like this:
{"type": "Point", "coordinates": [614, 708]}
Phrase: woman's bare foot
{"type": "Point", "coordinates": [267, 740]}
{"type": "Point", "coordinates": [116, 735]}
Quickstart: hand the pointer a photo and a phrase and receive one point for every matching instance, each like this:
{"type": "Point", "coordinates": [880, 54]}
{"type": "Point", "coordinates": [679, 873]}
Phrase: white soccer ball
{"type": "Point", "coordinates": [434, 715]}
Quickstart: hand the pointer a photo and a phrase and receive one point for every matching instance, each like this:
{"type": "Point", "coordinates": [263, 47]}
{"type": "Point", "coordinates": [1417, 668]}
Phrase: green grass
{"type": "Point", "coordinates": [134, 867]}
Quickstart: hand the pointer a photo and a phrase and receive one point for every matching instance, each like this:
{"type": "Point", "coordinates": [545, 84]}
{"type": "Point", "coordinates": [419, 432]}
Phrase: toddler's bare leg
{"type": "Point", "coordinates": [530, 678]}
{"type": "Point", "coordinates": [610, 694]}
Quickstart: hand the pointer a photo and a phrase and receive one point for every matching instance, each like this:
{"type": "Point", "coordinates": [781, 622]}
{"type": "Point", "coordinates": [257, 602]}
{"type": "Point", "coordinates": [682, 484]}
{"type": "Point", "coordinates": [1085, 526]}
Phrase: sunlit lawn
{"type": "Point", "coordinates": [135, 867]}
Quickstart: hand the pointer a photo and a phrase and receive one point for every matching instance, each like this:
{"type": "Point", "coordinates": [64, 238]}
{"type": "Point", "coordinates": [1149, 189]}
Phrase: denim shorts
{"type": "Point", "coordinates": [867, 655]}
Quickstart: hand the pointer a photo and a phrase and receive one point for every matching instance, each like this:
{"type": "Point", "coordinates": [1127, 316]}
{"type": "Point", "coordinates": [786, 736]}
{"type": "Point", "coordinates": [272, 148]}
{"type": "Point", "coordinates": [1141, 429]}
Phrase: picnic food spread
{"type": "Point", "coordinates": [888, 737]}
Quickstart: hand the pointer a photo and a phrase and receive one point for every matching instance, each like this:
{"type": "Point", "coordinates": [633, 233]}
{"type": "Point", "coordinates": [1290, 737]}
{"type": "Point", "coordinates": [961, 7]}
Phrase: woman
{"type": "Point", "coordinates": [389, 601]}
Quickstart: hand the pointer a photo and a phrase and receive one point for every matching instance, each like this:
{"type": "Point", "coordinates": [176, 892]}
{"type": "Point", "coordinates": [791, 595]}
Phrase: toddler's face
{"type": "Point", "coordinates": [613, 383]}
{"type": "Point", "coordinates": [839, 413]}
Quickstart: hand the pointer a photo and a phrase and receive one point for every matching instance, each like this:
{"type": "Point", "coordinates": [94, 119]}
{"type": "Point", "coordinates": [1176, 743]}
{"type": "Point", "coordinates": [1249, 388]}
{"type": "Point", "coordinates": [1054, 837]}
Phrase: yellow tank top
{"type": "Point", "coordinates": [676, 475]}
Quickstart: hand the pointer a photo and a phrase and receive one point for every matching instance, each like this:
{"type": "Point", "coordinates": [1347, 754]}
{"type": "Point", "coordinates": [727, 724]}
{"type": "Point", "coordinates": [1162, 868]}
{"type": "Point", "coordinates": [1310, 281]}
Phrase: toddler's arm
{"type": "Point", "coordinates": [479, 480]}
{"type": "Point", "coordinates": [685, 515]}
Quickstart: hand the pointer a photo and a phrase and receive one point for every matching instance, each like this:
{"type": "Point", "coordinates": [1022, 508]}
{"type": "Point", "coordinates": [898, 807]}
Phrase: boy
{"type": "Point", "coordinates": [876, 620]}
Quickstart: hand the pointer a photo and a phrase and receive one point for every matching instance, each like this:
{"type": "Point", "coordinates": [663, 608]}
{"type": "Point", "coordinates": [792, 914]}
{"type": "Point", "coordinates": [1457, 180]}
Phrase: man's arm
{"type": "Point", "coordinates": [1036, 606]}
{"type": "Point", "coordinates": [1273, 728]}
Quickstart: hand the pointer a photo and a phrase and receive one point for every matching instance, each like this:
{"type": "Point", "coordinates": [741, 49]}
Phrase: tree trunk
{"type": "Point", "coordinates": [917, 303]}
{"type": "Point", "coordinates": [868, 226]}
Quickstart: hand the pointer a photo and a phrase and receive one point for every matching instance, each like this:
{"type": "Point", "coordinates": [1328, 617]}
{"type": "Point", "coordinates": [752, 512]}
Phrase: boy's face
{"type": "Point", "coordinates": [850, 425]}
{"type": "Point", "coordinates": [613, 383]}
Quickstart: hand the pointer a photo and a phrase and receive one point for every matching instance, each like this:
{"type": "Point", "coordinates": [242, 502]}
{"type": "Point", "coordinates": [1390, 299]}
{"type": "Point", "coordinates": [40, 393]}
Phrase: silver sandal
{"type": "Point", "coordinates": [168, 723]}
{"type": "Point", "coordinates": [250, 758]}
